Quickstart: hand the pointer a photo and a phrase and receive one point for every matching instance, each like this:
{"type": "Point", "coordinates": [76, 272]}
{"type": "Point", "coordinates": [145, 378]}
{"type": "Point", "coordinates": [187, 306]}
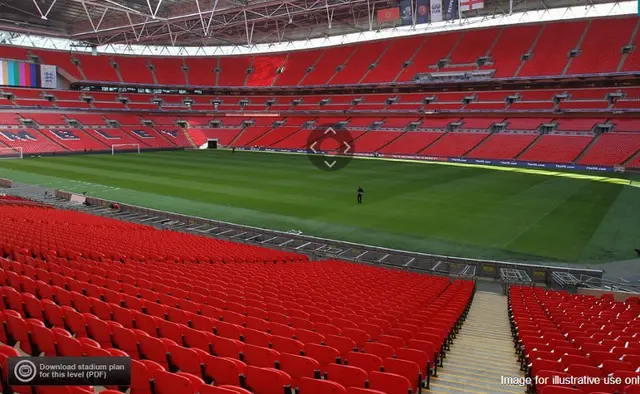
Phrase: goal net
{"type": "Point", "coordinates": [11, 153]}
{"type": "Point", "coordinates": [124, 148]}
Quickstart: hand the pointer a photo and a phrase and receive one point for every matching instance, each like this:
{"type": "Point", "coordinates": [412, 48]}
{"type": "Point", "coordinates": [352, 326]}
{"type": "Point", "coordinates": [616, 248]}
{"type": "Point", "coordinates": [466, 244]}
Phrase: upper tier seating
{"type": "Point", "coordinates": [254, 313]}
{"type": "Point", "coordinates": [132, 70]}
{"type": "Point", "coordinates": [379, 61]}
{"type": "Point", "coordinates": [564, 334]}
{"type": "Point", "coordinates": [550, 53]}
{"type": "Point", "coordinates": [600, 49]}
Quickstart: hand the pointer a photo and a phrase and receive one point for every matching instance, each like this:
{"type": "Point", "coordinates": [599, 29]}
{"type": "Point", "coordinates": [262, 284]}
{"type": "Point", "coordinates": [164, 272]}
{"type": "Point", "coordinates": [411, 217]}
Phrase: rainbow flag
{"type": "Point", "coordinates": [19, 74]}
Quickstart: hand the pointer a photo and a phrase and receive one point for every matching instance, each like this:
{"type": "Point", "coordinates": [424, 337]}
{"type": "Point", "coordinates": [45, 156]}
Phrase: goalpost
{"type": "Point", "coordinates": [120, 148]}
{"type": "Point", "coordinates": [11, 153]}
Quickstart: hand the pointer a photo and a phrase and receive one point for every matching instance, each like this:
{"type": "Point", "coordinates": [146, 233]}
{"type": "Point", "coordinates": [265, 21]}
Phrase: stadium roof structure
{"type": "Point", "coordinates": [220, 23]}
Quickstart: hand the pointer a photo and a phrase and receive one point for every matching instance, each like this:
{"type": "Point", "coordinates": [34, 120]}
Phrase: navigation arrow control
{"type": "Point", "coordinates": [330, 130]}
{"type": "Point", "coordinates": [312, 147]}
{"type": "Point", "coordinates": [330, 165]}
{"type": "Point", "coordinates": [348, 147]}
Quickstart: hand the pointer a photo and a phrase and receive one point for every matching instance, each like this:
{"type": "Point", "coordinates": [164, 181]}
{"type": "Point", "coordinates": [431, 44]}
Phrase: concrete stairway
{"type": "Point", "coordinates": [482, 352]}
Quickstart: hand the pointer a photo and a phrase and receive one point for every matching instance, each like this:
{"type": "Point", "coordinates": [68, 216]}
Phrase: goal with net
{"type": "Point", "coordinates": [11, 153]}
{"type": "Point", "coordinates": [125, 148]}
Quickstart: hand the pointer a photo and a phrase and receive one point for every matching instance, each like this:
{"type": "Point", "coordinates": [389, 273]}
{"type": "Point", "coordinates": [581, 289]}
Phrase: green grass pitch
{"type": "Point", "coordinates": [446, 209]}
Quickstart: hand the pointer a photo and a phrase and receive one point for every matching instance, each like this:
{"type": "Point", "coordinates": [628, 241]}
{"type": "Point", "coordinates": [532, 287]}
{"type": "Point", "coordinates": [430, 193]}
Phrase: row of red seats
{"type": "Point", "coordinates": [564, 335]}
{"type": "Point", "coordinates": [66, 283]}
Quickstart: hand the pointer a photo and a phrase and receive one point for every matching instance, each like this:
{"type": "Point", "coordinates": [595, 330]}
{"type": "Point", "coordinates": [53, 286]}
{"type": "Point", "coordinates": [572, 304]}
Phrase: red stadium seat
{"type": "Point", "coordinates": [319, 386]}
{"type": "Point", "coordinates": [267, 380]}
{"type": "Point", "coordinates": [346, 375]}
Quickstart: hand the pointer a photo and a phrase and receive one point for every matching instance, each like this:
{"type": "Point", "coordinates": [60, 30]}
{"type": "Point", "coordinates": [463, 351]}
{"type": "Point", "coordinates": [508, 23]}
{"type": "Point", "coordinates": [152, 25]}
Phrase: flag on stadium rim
{"type": "Point", "coordinates": [389, 15]}
{"type": "Point", "coordinates": [466, 5]}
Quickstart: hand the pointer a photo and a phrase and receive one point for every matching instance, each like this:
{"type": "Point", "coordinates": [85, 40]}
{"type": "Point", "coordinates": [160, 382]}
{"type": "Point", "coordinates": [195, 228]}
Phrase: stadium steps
{"type": "Point", "coordinates": [314, 65]}
{"type": "Point", "coordinates": [623, 58]}
{"type": "Point", "coordinates": [535, 141]}
{"type": "Point", "coordinates": [153, 72]}
{"type": "Point", "coordinates": [117, 70]}
{"type": "Point", "coordinates": [259, 136]}
{"type": "Point", "coordinates": [493, 44]}
{"type": "Point", "coordinates": [586, 149]}
{"type": "Point", "coordinates": [190, 139]}
{"type": "Point", "coordinates": [533, 46]}
{"type": "Point", "coordinates": [410, 59]}
{"type": "Point", "coordinates": [217, 74]}
{"type": "Point", "coordinates": [285, 137]}
{"type": "Point", "coordinates": [284, 64]}
{"type": "Point", "coordinates": [186, 72]}
{"type": "Point", "coordinates": [477, 145]}
{"type": "Point", "coordinates": [455, 46]}
{"type": "Point", "coordinates": [89, 135]}
{"type": "Point", "coordinates": [632, 158]}
{"type": "Point", "coordinates": [79, 66]}
{"type": "Point", "coordinates": [376, 62]}
{"type": "Point", "coordinates": [247, 76]}
{"type": "Point", "coordinates": [44, 133]}
{"type": "Point", "coordinates": [433, 142]}
{"type": "Point", "coordinates": [140, 140]}
{"type": "Point", "coordinates": [163, 136]}
{"type": "Point", "coordinates": [236, 137]}
{"type": "Point", "coordinates": [482, 351]}
{"type": "Point", "coordinates": [393, 140]}
{"type": "Point", "coordinates": [346, 61]}
{"type": "Point", "coordinates": [578, 47]}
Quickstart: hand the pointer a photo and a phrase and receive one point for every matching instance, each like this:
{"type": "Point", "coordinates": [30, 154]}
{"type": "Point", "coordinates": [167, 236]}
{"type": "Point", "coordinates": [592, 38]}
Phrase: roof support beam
{"type": "Point", "coordinates": [154, 13]}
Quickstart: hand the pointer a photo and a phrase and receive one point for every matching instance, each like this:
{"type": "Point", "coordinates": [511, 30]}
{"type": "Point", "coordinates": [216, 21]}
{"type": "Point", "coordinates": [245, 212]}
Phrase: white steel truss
{"type": "Point", "coordinates": [130, 39]}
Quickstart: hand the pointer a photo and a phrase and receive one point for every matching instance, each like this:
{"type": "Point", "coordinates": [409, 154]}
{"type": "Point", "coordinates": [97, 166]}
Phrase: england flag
{"type": "Point", "coordinates": [467, 5]}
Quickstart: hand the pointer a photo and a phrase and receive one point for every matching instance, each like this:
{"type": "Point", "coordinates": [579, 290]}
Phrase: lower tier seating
{"type": "Point", "coordinates": [557, 148]}
{"type": "Point", "coordinates": [411, 142]}
{"type": "Point", "coordinates": [612, 149]}
{"type": "Point", "coordinates": [502, 146]}
{"type": "Point", "coordinates": [567, 336]}
{"type": "Point", "coordinates": [454, 144]}
{"type": "Point", "coordinates": [260, 321]}
{"type": "Point", "coordinates": [49, 140]}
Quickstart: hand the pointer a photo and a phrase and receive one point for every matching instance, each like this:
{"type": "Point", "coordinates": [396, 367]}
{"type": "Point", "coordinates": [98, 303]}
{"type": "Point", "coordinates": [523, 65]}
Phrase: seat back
{"type": "Point", "coordinates": [406, 368]}
{"type": "Point", "coordinates": [323, 354]}
{"type": "Point", "coordinates": [364, 361]}
{"type": "Point", "coordinates": [346, 375]}
{"type": "Point", "coordinates": [389, 383]}
{"type": "Point", "coordinates": [266, 380]}
{"type": "Point", "coordinates": [299, 367]}
{"type": "Point", "coordinates": [319, 386]}
{"type": "Point", "coordinates": [171, 383]}
{"type": "Point", "coordinates": [381, 350]}
{"type": "Point", "coordinates": [222, 371]}
{"type": "Point", "coordinates": [260, 356]}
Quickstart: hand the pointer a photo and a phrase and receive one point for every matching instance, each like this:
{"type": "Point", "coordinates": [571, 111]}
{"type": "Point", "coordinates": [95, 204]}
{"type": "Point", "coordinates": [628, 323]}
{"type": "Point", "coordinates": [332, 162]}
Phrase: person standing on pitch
{"type": "Point", "coordinates": [360, 193]}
